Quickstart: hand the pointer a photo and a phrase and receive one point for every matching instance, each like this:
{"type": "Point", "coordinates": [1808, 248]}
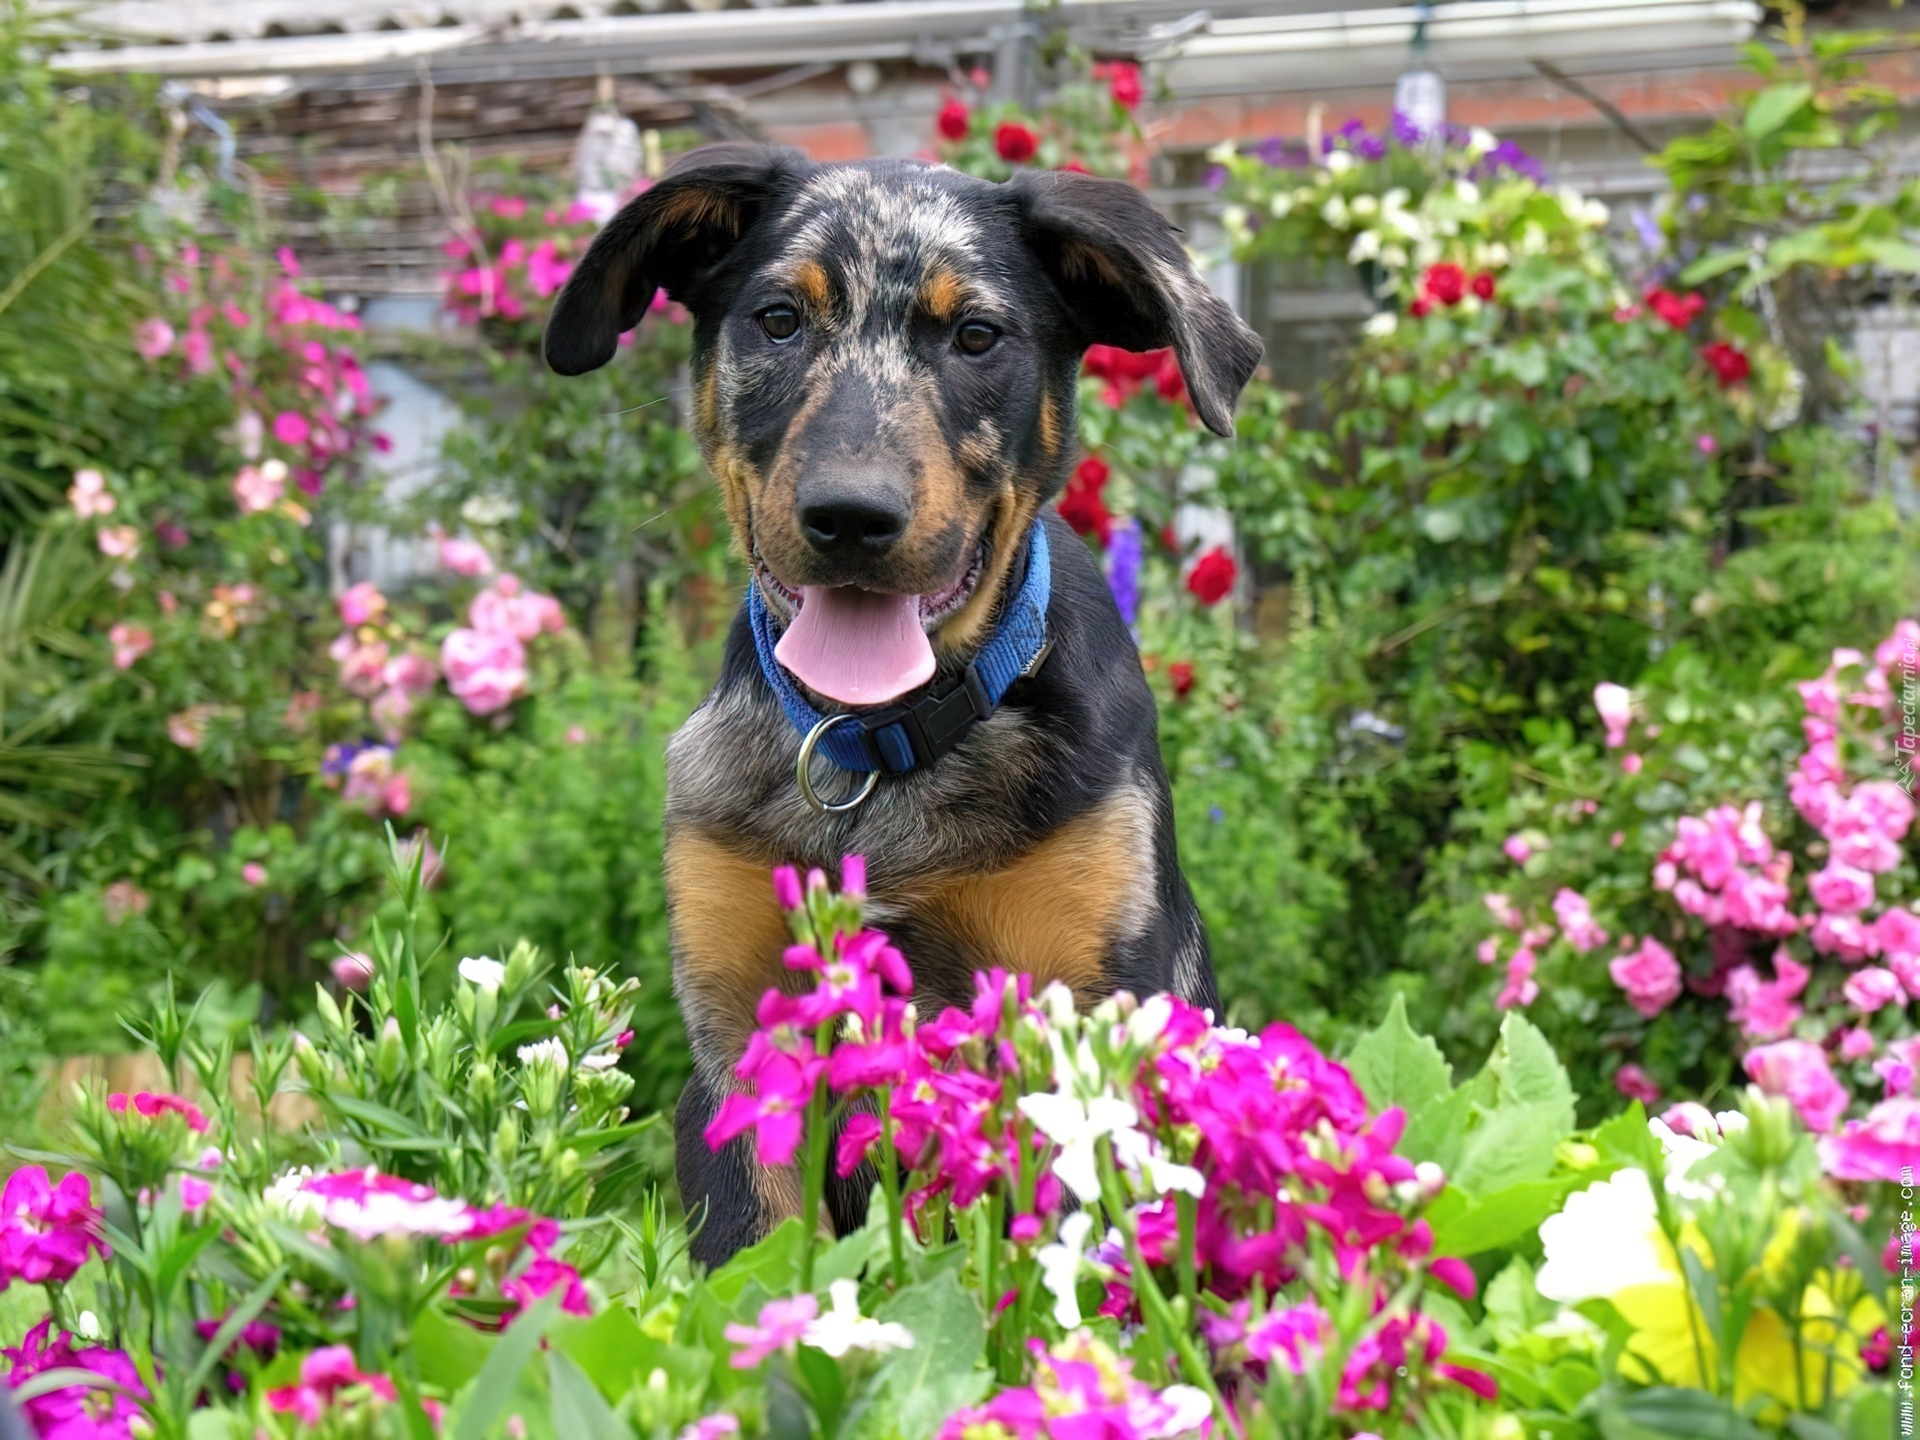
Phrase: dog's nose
{"type": "Point", "coordinates": [844, 521]}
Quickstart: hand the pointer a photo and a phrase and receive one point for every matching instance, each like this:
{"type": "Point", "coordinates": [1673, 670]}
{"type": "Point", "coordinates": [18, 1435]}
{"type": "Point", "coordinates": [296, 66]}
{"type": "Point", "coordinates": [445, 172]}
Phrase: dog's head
{"type": "Point", "coordinates": [884, 363]}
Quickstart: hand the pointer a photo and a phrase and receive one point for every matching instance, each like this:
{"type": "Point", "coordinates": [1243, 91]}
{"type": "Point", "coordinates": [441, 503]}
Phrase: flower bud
{"type": "Point", "coordinates": [506, 1139]}
{"type": "Point", "coordinates": [545, 1065]}
{"type": "Point", "coordinates": [330, 1015]}
{"type": "Point", "coordinates": [389, 1052]}
{"type": "Point", "coordinates": [1430, 1178]}
{"type": "Point", "coordinates": [853, 876]}
{"type": "Point", "coordinates": [482, 1082]}
{"type": "Point", "coordinates": [521, 965]}
{"type": "Point", "coordinates": [1768, 1140]}
{"type": "Point", "coordinates": [786, 888]}
{"type": "Point", "coordinates": [310, 1062]}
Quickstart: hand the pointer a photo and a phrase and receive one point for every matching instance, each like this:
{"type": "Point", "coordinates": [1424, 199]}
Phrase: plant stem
{"type": "Point", "coordinates": [890, 1184]}
{"type": "Point", "coordinates": [813, 1182]}
{"type": "Point", "coordinates": [1185, 1207]}
{"type": "Point", "coordinates": [1173, 1336]}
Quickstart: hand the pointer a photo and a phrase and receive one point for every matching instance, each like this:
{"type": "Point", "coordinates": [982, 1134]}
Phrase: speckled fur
{"type": "Point", "coordinates": [1063, 786]}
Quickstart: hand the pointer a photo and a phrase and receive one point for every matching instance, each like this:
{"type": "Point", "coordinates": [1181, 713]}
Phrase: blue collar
{"type": "Point", "coordinates": [900, 737]}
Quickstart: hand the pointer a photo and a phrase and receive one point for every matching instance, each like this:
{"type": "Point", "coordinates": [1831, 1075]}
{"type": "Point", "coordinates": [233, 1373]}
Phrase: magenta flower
{"type": "Point", "coordinates": [786, 888]}
{"type": "Point", "coordinates": [1798, 1070]}
{"type": "Point", "coordinates": [47, 1231]}
{"type": "Point", "coordinates": [782, 1323]}
{"type": "Point", "coordinates": [1517, 849]}
{"type": "Point", "coordinates": [542, 1277]}
{"type": "Point", "coordinates": [1884, 1146]}
{"type": "Point", "coordinates": [292, 428]}
{"type": "Point", "coordinates": [1650, 976]}
{"type": "Point", "coordinates": [1615, 704]}
{"type": "Point", "coordinates": [324, 1376]}
{"type": "Point", "coordinates": [78, 1411]}
{"type": "Point", "coordinates": [1841, 889]}
{"type": "Point", "coordinates": [150, 1106]}
{"type": "Point", "coordinates": [1872, 988]}
{"type": "Point", "coordinates": [712, 1427]}
{"type": "Point", "coordinates": [368, 1205]}
{"type": "Point", "coordinates": [468, 558]}
{"type": "Point", "coordinates": [1634, 1083]}
{"type": "Point", "coordinates": [1521, 989]}
{"type": "Point", "coordinates": [1294, 1336]}
{"type": "Point", "coordinates": [775, 1112]}
{"type": "Point", "coordinates": [1576, 921]}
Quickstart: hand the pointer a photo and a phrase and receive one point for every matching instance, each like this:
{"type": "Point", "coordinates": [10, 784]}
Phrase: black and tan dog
{"type": "Point", "coordinates": [885, 359]}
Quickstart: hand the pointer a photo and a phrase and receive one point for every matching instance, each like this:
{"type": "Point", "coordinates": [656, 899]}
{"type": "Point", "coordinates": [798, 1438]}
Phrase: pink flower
{"type": "Point", "coordinates": [324, 1375]}
{"type": "Point", "coordinates": [1900, 647]}
{"type": "Point", "coordinates": [546, 271]}
{"type": "Point", "coordinates": [411, 672]}
{"type": "Point", "coordinates": [1884, 1146]}
{"type": "Point", "coordinates": [1503, 910]}
{"type": "Point", "coordinates": [360, 604]}
{"type": "Point", "coordinates": [353, 971]}
{"type": "Point", "coordinates": [121, 899]}
{"type": "Point", "coordinates": [506, 609]}
{"type": "Point", "coordinates": [543, 1276]}
{"type": "Point", "coordinates": [1847, 936]}
{"type": "Point", "coordinates": [465, 557]}
{"type": "Point", "coordinates": [89, 495]}
{"type": "Point", "coordinates": [1631, 763]}
{"type": "Point", "coordinates": [775, 1112]}
{"type": "Point", "coordinates": [1576, 921]}
{"type": "Point", "coordinates": [368, 1205]}
{"type": "Point", "coordinates": [188, 728]}
{"type": "Point", "coordinates": [1517, 849]}
{"type": "Point", "coordinates": [47, 1231]}
{"type": "Point", "coordinates": [576, 735]}
{"type": "Point", "coordinates": [1650, 976]}
{"type": "Point", "coordinates": [152, 338]}
{"type": "Point", "coordinates": [254, 873]}
{"type": "Point", "coordinates": [1766, 1010]}
{"type": "Point", "coordinates": [78, 1411]}
{"type": "Point", "coordinates": [1897, 933]}
{"type": "Point", "coordinates": [129, 643]}
{"type": "Point", "coordinates": [485, 670]}
{"type": "Point", "coordinates": [1520, 988]}
{"type": "Point", "coordinates": [1871, 988]}
{"type": "Point", "coordinates": [712, 1427]}
{"type": "Point", "coordinates": [1798, 1070]}
{"type": "Point", "coordinates": [1841, 889]}
{"type": "Point", "coordinates": [1294, 1336]}
{"type": "Point", "coordinates": [291, 428]}
{"type": "Point", "coordinates": [1615, 704]}
{"type": "Point", "coordinates": [782, 1323]}
{"type": "Point", "coordinates": [1634, 1083]}
{"type": "Point", "coordinates": [118, 542]}
{"type": "Point", "coordinates": [1856, 1043]}
{"type": "Point", "coordinates": [363, 668]}
{"type": "Point", "coordinates": [151, 1105]}
{"type": "Point", "coordinates": [260, 487]}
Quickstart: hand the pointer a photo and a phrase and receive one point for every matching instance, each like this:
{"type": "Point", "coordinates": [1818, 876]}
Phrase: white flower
{"type": "Point", "coordinates": [1334, 212]}
{"type": "Point", "coordinates": [1393, 256]}
{"type": "Point", "coordinates": [1222, 153]}
{"type": "Point", "coordinates": [1234, 219]}
{"type": "Point", "coordinates": [1076, 1127]}
{"type": "Point", "coordinates": [1731, 1122]}
{"type": "Point", "coordinates": [287, 1195]}
{"type": "Point", "coordinates": [844, 1328]}
{"type": "Point", "coordinates": [1480, 140]}
{"type": "Point", "coordinates": [1594, 214]}
{"type": "Point", "coordinates": [1060, 1267]}
{"type": "Point", "coordinates": [1681, 1152]}
{"type": "Point", "coordinates": [89, 1326]}
{"type": "Point", "coordinates": [1366, 246]}
{"type": "Point", "coordinates": [1606, 1239]}
{"type": "Point", "coordinates": [1057, 1001]}
{"type": "Point", "coordinates": [606, 1060]}
{"type": "Point", "coordinates": [1175, 1411]}
{"type": "Point", "coordinates": [1281, 205]}
{"type": "Point", "coordinates": [1339, 162]}
{"type": "Point", "coordinates": [1365, 206]}
{"type": "Point", "coordinates": [544, 1052]}
{"type": "Point", "coordinates": [483, 971]}
{"type": "Point", "coordinates": [1149, 1022]}
{"type": "Point", "coordinates": [1466, 192]}
{"type": "Point", "coordinates": [1381, 325]}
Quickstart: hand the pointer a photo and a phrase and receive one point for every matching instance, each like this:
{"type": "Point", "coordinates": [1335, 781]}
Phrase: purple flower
{"type": "Point", "coordinates": [1509, 156]}
{"type": "Point", "coordinates": [46, 1230]}
{"type": "Point", "coordinates": [1370, 147]}
{"type": "Point", "coordinates": [1273, 151]}
{"type": "Point", "coordinates": [1648, 229]}
{"type": "Point", "coordinates": [78, 1411]}
{"type": "Point", "coordinates": [1216, 177]}
{"type": "Point", "coordinates": [1123, 567]}
{"type": "Point", "coordinates": [1405, 130]}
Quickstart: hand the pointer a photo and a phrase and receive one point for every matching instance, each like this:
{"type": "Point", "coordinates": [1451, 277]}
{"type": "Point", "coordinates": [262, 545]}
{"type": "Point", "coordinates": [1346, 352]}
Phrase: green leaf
{"type": "Point", "coordinates": [579, 1413]}
{"type": "Point", "coordinates": [1513, 1144]}
{"type": "Point", "coordinates": [1526, 1068]}
{"type": "Point", "coordinates": [1714, 262]}
{"type": "Point", "coordinates": [1773, 107]}
{"type": "Point", "coordinates": [772, 1263]}
{"type": "Point", "coordinates": [1894, 254]}
{"type": "Point", "coordinates": [941, 1373]}
{"type": "Point", "coordinates": [1686, 1415]}
{"type": "Point", "coordinates": [62, 1377]}
{"type": "Point", "coordinates": [1497, 1220]}
{"type": "Point", "coordinates": [500, 1374]}
{"type": "Point", "coordinates": [1394, 1065]}
{"type": "Point", "coordinates": [379, 1117]}
{"type": "Point", "coordinates": [609, 1349]}
{"type": "Point", "coordinates": [448, 1353]}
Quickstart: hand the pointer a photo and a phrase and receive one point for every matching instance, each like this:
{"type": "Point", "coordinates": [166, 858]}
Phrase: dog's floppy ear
{"type": "Point", "coordinates": [1121, 268]}
{"type": "Point", "coordinates": [663, 239]}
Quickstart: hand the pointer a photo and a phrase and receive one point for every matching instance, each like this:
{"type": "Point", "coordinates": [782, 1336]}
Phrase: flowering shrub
{"type": "Point", "coordinates": [1085, 126]}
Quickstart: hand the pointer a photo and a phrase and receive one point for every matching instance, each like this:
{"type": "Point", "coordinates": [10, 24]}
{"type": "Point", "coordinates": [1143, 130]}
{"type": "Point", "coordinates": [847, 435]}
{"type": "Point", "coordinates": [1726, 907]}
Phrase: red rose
{"type": "Point", "coordinates": [1445, 282]}
{"type": "Point", "coordinates": [954, 119]}
{"type": "Point", "coordinates": [1015, 142]}
{"type": "Point", "coordinates": [1419, 308]}
{"type": "Point", "coordinates": [1212, 576]}
{"type": "Point", "coordinates": [1168, 379]}
{"type": "Point", "coordinates": [1728, 363]}
{"type": "Point", "coordinates": [1180, 672]}
{"type": "Point", "coordinates": [1123, 78]}
{"type": "Point", "coordinates": [1679, 311]}
{"type": "Point", "coordinates": [1483, 284]}
{"type": "Point", "coordinates": [1076, 167]}
{"type": "Point", "coordinates": [1081, 505]}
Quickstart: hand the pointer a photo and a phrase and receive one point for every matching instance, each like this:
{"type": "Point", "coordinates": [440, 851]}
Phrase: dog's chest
{"type": "Point", "coordinates": [969, 867]}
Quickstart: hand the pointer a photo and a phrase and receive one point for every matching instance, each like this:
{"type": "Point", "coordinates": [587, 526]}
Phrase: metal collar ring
{"type": "Point", "coordinates": [803, 771]}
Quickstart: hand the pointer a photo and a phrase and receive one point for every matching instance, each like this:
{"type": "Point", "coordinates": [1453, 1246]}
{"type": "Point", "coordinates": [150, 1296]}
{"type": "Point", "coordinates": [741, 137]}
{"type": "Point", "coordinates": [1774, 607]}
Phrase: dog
{"type": "Point", "coordinates": [885, 360]}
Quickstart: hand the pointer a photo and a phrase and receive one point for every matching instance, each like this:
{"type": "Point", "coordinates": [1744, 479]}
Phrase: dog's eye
{"type": "Point", "coordinates": [976, 337]}
{"type": "Point", "coordinates": [780, 322]}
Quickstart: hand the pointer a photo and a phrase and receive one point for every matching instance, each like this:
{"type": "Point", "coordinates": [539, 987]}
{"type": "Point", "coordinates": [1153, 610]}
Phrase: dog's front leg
{"type": "Point", "coordinates": [728, 935]}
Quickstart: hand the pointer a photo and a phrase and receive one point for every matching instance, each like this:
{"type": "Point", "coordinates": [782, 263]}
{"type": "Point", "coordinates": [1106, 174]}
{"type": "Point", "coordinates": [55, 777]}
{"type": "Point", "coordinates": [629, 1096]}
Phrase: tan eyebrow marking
{"type": "Point", "coordinates": [810, 279]}
{"type": "Point", "coordinates": [941, 294]}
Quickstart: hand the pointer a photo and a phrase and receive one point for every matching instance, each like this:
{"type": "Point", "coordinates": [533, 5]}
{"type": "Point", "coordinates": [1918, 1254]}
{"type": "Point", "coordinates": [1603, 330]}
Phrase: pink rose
{"type": "Point", "coordinates": [1576, 921]}
{"type": "Point", "coordinates": [1615, 704]}
{"type": "Point", "coordinates": [1847, 936]}
{"type": "Point", "coordinates": [1520, 988]}
{"type": "Point", "coordinates": [363, 668]}
{"type": "Point", "coordinates": [1650, 976]}
{"type": "Point", "coordinates": [260, 487]}
{"type": "Point", "coordinates": [1634, 1083]}
{"type": "Point", "coordinates": [89, 495]}
{"type": "Point", "coordinates": [1841, 889]}
{"type": "Point", "coordinates": [360, 603]}
{"type": "Point", "coordinates": [465, 557]}
{"type": "Point", "coordinates": [1901, 647]}
{"type": "Point", "coordinates": [485, 669]}
{"type": "Point", "coordinates": [1871, 988]}
{"type": "Point", "coordinates": [118, 542]}
{"type": "Point", "coordinates": [1798, 1070]}
{"type": "Point", "coordinates": [1518, 850]}
{"type": "Point", "coordinates": [1856, 1044]}
{"type": "Point", "coordinates": [254, 873]}
{"type": "Point", "coordinates": [1765, 1010]}
{"type": "Point", "coordinates": [152, 338]}
{"type": "Point", "coordinates": [1880, 1147]}
{"type": "Point", "coordinates": [1897, 932]}
{"type": "Point", "coordinates": [292, 428]}
{"type": "Point", "coordinates": [1631, 763]}
{"type": "Point", "coordinates": [414, 673]}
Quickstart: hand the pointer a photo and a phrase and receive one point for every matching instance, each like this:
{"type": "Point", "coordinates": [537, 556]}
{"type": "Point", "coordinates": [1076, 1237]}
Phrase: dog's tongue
{"type": "Point", "coordinates": [857, 647]}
